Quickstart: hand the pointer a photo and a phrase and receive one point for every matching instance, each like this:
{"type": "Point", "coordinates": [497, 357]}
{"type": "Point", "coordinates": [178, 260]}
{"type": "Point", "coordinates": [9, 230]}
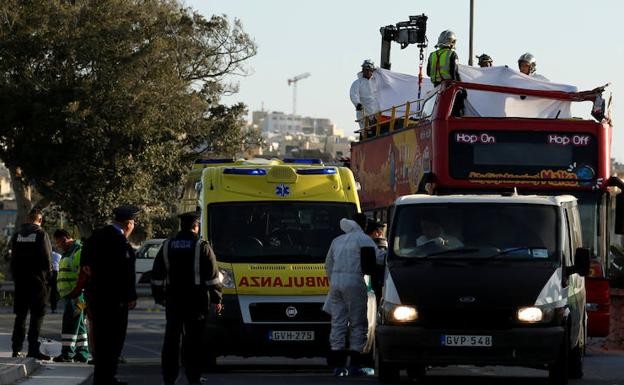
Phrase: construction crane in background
{"type": "Point", "coordinates": [294, 81]}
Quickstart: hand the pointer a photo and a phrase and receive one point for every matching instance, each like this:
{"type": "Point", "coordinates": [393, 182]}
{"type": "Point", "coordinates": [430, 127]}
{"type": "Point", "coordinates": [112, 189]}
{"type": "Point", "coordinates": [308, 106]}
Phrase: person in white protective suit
{"type": "Point", "coordinates": [364, 93]}
{"type": "Point", "coordinates": [347, 298]}
{"type": "Point", "coordinates": [527, 64]}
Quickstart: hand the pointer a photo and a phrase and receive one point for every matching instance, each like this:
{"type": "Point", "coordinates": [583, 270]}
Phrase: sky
{"type": "Point", "coordinates": [575, 42]}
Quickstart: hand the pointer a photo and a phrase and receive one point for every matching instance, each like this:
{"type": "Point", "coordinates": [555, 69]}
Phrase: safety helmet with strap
{"type": "Point", "coordinates": [530, 60]}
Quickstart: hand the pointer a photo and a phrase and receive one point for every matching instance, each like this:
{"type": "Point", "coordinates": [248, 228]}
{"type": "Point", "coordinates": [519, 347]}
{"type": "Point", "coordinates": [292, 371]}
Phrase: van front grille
{"type": "Point", "coordinates": [466, 318]}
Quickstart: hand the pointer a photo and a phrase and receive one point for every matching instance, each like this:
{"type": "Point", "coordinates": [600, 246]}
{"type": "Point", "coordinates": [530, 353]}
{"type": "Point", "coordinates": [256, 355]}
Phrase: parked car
{"type": "Point", "coordinates": [145, 259]}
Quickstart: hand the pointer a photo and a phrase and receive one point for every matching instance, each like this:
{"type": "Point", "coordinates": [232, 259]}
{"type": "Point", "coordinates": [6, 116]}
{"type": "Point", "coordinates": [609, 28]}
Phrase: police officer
{"type": "Point", "coordinates": [443, 63]}
{"type": "Point", "coordinates": [186, 280]}
{"type": "Point", "coordinates": [31, 269]}
{"type": "Point", "coordinates": [110, 291]}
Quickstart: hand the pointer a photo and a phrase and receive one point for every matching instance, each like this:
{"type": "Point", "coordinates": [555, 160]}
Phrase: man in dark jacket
{"type": "Point", "coordinates": [185, 279]}
{"type": "Point", "coordinates": [110, 290]}
{"type": "Point", "coordinates": [31, 269]}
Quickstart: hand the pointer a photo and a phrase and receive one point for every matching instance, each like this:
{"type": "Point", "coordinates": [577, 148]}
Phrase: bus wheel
{"type": "Point", "coordinates": [387, 373]}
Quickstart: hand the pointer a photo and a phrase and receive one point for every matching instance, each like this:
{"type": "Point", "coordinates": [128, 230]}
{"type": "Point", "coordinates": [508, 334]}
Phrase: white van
{"type": "Point", "coordinates": [145, 256]}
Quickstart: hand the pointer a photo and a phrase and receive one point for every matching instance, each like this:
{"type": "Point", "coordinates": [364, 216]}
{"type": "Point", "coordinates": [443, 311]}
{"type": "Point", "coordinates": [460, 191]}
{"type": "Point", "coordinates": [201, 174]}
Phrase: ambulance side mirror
{"type": "Point", "coordinates": [368, 260]}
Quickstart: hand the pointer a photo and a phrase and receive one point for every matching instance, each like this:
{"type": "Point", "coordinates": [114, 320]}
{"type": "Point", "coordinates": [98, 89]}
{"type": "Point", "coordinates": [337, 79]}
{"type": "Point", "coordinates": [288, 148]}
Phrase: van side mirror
{"type": "Point", "coordinates": [581, 261]}
{"type": "Point", "coordinates": [619, 213]}
{"type": "Point", "coordinates": [368, 260]}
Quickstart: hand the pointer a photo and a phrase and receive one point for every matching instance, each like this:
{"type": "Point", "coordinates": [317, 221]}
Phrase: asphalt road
{"type": "Point", "coordinates": [146, 327]}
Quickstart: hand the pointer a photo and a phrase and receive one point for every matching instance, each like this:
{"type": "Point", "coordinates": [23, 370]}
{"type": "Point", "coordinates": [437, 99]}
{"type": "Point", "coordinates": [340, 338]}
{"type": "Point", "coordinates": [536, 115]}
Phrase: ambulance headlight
{"type": "Point", "coordinates": [530, 314]}
{"type": "Point", "coordinates": [227, 278]}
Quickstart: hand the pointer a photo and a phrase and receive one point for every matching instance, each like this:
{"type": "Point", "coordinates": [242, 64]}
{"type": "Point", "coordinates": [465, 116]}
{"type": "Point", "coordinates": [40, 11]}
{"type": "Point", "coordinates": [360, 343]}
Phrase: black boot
{"type": "Point", "coordinates": [337, 359]}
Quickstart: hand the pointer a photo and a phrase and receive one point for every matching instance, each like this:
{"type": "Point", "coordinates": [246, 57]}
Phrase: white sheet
{"type": "Point", "coordinates": [396, 89]}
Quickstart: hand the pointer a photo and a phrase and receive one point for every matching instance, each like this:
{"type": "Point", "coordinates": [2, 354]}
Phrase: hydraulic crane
{"type": "Point", "coordinates": [294, 81]}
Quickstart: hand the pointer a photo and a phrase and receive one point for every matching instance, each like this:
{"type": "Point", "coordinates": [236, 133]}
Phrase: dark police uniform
{"type": "Point", "coordinates": [109, 290]}
{"type": "Point", "coordinates": [31, 269]}
{"type": "Point", "coordinates": [185, 279]}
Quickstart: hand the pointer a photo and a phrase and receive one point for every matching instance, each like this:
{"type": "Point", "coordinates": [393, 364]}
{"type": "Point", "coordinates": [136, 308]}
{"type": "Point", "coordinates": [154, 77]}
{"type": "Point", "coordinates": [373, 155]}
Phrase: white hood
{"type": "Point", "coordinates": [349, 226]}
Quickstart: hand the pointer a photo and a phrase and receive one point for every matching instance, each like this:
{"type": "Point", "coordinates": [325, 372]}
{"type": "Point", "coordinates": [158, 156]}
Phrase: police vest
{"type": "Point", "coordinates": [187, 264]}
{"type": "Point", "coordinates": [440, 64]}
{"type": "Point", "coordinates": [69, 267]}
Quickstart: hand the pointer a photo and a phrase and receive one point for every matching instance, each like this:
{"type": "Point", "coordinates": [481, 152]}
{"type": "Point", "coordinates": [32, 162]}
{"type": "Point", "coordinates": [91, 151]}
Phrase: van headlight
{"type": "Point", "coordinates": [227, 278]}
{"type": "Point", "coordinates": [404, 313]}
{"type": "Point", "coordinates": [530, 314]}
{"type": "Point", "coordinates": [400, 313]}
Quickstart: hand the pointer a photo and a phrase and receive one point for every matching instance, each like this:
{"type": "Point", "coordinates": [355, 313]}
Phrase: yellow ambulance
{"type": "Point", "coordinates": [270, 223]}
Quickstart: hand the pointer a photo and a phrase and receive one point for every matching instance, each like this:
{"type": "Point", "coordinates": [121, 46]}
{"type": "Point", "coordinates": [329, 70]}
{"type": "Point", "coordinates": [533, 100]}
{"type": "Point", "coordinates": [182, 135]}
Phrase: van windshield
{"type": "Point", "coordinates": [476, 231]}
{"type": "Point", "coordinates": [275, 231]}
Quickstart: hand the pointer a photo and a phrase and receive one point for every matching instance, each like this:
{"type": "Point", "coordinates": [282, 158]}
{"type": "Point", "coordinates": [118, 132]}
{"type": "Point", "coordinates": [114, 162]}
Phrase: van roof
{"type": "Point", "coordinates": [519, 199]}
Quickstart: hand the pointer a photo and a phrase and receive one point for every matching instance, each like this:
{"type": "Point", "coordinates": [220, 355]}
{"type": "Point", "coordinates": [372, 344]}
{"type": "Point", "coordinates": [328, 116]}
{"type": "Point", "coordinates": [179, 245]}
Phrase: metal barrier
{"type": "Point", "coordinates": [142, 289]}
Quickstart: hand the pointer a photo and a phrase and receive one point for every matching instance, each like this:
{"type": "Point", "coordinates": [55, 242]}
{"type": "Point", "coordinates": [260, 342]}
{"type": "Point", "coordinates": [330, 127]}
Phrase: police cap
{"type": "Point", "coordinates": [189, 216]}
{"type": "Point", "coordinates": [126, 212]}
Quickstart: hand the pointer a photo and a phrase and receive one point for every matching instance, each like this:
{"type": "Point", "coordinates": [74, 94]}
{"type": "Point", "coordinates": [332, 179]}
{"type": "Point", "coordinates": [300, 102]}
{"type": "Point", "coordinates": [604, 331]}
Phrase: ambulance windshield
{"type": "Point", "coordinates": [275, 231]}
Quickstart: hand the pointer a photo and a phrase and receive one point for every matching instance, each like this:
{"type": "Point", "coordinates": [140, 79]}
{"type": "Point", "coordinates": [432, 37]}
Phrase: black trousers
{"type": "Point", "coordinates": [188, 327]}
{"type": "Point", "coordinates": [54, 294]}
{"type": "Point", "coordinates": [110, 322]}
{"type": "Point", "coordinates": [28, 299]}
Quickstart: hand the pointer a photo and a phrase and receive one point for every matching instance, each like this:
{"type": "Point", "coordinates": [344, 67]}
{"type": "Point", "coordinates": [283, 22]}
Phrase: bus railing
{"type": "Point", "coordinates": [391, 119]}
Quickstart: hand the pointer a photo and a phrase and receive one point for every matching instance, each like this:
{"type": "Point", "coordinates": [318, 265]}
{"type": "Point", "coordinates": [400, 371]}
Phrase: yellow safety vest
{"type": "Point", "coordinates": [440, 65]}
{"type": "Point", "coordinates": [69, 266]}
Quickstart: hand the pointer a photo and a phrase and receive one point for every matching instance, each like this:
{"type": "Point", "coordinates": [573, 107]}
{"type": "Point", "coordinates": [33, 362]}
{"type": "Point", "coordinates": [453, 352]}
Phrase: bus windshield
{"type": "Point", "coordinates": [476, 230]}
{"type": "Point", "coordinates": [275, 231]}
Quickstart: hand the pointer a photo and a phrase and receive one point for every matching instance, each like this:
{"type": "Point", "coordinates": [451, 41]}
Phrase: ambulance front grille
{"type": "Point", "coordinates": [283, 312]}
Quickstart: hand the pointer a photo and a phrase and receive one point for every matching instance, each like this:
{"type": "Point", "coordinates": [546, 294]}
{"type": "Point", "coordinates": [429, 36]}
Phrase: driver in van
{"type": "Point", "coordinates": [433, 233]}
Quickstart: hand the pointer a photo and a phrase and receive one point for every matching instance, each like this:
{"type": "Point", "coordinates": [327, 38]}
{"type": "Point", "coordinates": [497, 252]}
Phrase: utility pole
{"type": "Point", "coordinates": [294, 81]}
{"type": "Point", "coordinates": [471, 53]}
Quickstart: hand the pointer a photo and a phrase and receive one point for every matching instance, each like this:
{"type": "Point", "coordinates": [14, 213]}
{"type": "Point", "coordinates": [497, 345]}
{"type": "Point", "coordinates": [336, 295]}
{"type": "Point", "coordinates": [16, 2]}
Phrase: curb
{"type": "Point", "coordinates": [17, 369]}
{"type": "Point", "coordinates": [88, 380]}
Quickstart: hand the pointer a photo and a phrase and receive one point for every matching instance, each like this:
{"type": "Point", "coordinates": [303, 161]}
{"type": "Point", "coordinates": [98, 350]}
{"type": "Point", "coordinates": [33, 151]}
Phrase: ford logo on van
{"type": "Point", "coordinates": [467, 299]}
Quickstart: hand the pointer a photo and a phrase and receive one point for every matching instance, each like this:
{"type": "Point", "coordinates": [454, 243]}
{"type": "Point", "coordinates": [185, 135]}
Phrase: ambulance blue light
{"type": "Point", "coordinates": [245, 171]}
{"type": "Point", "coordinates": [303, 161]}
{"type": "Point", "coordinates": [316, 171]}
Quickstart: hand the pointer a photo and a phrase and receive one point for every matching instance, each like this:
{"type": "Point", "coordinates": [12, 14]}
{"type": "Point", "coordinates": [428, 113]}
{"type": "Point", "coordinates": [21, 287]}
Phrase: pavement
{"type": "Point", "coordinates": [28, 371]}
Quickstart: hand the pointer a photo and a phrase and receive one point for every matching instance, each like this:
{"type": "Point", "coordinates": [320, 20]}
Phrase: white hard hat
{"type": "Point", "coordinates": [529, 59]}
{"type": "Point", "coordinates": [447, 39]}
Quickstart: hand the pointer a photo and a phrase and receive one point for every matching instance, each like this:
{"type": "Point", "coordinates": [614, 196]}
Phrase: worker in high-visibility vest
{"type": "Point", "coordinates": [443, 63]}
{"type": "Point", "coordinates": [75, 345]}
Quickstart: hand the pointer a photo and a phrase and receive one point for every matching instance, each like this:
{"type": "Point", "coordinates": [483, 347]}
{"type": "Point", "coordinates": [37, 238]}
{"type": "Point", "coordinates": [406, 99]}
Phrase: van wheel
{"type": "Point", "coordinates": [575, 369]}
{"type": "Point", "coordinates": [558, 371]}
{"type": "Point", "coordinates": [387, 373]}
{"type": "Point", "coordinates": [416, 371]}
{"type": "Point", "coordinates": [210, 363]}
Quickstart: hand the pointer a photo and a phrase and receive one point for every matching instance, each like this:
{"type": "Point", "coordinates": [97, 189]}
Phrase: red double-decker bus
{"type": "Point", "coordinates": [444, 146]}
